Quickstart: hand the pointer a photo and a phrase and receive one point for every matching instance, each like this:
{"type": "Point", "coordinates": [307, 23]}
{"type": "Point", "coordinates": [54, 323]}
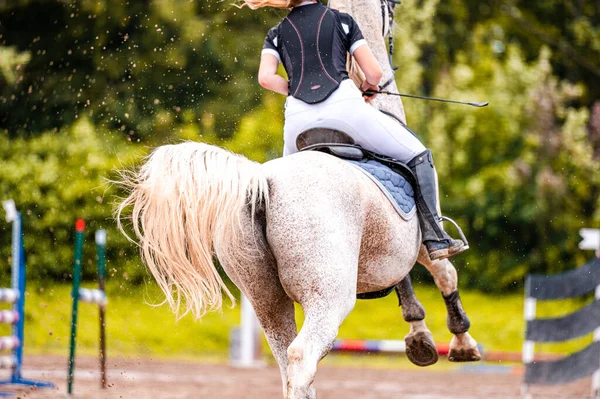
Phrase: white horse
{"type": "Point", "coordinates": [308, 228]}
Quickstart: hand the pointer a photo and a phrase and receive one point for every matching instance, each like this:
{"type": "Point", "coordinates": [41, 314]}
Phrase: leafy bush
{"type": "Point", "coordinates": [55, 178]}
{"type": "Point", "coordinates": [519, 176]}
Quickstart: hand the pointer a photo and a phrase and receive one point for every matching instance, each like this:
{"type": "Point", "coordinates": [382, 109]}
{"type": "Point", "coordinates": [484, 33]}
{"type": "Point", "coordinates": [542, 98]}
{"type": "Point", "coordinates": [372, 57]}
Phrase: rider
{"type": "Point", "coordinates": [312, 42]}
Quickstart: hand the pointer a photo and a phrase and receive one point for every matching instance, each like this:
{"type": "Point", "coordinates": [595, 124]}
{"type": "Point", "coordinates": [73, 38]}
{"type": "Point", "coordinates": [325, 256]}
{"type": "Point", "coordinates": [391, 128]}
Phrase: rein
{"type": "Point", "coordinates": [389, 6]}
{"type": "Point", "coordinates": [387, 9]}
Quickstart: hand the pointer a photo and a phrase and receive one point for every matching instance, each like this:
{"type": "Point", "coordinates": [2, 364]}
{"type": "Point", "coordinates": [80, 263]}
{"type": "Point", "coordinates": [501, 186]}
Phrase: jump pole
{"type": "Point", "coordinates": [249, 334]}
{"type": "Point", "coordinates": [16, 296]}
{"type": "Point", "coordinates": [79, 236]}
{"type": "Point", "coordinates": [91, 296]}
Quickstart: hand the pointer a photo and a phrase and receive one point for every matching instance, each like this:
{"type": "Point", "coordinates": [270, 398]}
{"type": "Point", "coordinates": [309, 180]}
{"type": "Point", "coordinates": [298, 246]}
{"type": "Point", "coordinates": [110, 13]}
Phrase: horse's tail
{"type": "Point", "coordinates": [187, 200]}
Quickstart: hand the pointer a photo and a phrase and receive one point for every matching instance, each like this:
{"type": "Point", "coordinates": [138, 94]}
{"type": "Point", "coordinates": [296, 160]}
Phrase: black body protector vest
{"type": "Point", "coordinates": [312, 43]}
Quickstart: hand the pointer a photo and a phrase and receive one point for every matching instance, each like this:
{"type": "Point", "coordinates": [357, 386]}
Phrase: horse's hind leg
{"type": "Point", "coordinates": [323, 317]}
{"type": "Point", "coordinates": [463, 348]}
{"type": "Point", "coordinates": [276, 316]}
{"type": "Point", "coordinates": [420, 347]}
{"type": "Point", "coordinates": [327, 295]}
{"type": "Point", "coordinates": [257, 277]}
{"type": "Point", "coordinates": [275, 313]}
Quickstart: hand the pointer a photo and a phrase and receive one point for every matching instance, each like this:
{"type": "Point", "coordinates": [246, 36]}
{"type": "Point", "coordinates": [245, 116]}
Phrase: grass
{"type": "Point", "coordinates": [137, 329]}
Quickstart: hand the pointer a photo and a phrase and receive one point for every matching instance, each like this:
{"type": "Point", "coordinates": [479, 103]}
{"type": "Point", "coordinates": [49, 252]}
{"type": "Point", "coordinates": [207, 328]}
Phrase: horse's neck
{"type": "Point", "coordinates": [368, 15]}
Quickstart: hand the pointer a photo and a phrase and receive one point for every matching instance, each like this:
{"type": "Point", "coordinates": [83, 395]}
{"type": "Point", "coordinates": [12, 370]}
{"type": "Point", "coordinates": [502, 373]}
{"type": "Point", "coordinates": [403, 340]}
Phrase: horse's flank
{"type": "Point", "coordinates": [322, 207]}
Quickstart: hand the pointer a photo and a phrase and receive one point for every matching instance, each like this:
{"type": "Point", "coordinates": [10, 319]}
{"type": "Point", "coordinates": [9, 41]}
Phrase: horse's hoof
{"type": "Point", "coordinates": [464, 355]}
{"type": "Point", "coordinates": [420, 349]}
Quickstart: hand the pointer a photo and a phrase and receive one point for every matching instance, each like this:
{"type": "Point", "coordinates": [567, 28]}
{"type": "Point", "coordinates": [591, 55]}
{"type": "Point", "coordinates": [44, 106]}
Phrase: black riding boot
{"type": "Point", "coordinates": [439, 244]}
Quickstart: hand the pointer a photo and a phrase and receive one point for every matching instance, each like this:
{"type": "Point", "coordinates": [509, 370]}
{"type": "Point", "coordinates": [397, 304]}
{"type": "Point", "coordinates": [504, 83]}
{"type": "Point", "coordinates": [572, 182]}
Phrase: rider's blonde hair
{"type": "Point", "coordinates": [254, 4]}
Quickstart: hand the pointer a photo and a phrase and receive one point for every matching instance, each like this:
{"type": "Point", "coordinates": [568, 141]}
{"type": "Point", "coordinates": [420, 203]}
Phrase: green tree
{"type": "Point", "coordinates": [130, 66]}
{"type": "Point", "coordinates": [570, 28]}
{"type": "Point", "coordinates": [521, 175]}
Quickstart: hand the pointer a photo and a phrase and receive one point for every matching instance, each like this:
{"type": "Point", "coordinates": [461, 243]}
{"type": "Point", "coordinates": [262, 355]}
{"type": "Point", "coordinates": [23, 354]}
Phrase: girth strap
{"type": "Point", "coordinates": [376, 294]}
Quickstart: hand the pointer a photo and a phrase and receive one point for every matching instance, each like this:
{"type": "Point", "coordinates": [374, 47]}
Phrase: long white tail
{"type": "Point", "coordinates": [186, 199]}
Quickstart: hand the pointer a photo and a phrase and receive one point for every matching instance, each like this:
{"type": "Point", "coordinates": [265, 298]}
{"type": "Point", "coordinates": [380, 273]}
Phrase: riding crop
{"type": "Point", "coordinates": [389, 93]}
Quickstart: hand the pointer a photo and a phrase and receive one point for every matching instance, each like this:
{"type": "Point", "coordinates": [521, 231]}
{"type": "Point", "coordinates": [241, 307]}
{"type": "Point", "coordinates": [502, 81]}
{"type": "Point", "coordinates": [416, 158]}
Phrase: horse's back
{"type": "Point", "coordinates": [325, 215]}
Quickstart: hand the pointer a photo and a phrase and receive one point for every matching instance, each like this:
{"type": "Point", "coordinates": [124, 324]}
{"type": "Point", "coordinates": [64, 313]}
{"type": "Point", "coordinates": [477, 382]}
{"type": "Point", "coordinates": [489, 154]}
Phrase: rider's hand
{"type": "Point", "coordinates": [368, 86]}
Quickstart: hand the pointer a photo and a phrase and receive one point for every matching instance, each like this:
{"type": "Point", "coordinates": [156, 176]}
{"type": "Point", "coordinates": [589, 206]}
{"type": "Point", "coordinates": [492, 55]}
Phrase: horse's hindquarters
{"type": "Point", "coordinates": [326, 217]}
{"type": "Point", "coordinates": [330, 230]}
{"type": "Point", "coordinates": [313, 221]}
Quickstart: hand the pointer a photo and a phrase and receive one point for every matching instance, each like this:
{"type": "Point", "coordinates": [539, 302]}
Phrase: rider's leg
{"type": "Point", "coordinates": [376, 132]}
{"type": "Point", "coordinates": [346, 110]}
{"type": "Point", "coordinates": [439, 244]}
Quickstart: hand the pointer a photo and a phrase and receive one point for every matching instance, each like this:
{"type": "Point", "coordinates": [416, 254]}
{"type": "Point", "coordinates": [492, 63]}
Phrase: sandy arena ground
{"type": "Point", "coordinates": [129, 378]}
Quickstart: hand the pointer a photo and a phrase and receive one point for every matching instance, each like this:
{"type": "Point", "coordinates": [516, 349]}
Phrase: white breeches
{"type": "Point", "coordinates": [346, 110]}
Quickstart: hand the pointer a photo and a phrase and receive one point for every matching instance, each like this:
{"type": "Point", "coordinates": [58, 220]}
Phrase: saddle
{"type": "Point", "coordinates": [394, 178]}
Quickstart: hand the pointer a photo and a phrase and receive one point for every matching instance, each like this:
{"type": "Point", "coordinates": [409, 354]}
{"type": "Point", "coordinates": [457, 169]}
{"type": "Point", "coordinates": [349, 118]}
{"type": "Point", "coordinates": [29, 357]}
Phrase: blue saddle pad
{"type": "Point", "coordinates": [398, 190]}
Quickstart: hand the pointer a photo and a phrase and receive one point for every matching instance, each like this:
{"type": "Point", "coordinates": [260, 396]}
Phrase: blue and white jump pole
{"type": "Point", "coordinates": [16, 296]}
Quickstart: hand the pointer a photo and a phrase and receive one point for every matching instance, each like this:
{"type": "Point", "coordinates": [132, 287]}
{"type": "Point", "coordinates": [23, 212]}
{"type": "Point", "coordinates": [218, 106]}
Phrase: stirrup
{"type": "Point", "coordinates": [444, 249]}
{"type": "Point", "coordinates": [460, 232]}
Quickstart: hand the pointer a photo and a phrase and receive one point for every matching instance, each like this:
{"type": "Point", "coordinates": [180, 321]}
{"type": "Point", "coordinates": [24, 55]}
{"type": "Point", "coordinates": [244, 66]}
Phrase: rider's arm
{"type": "Point", "coordinates": [369, 65]}
{"type": "Point", "coordinates": [268, 77]}
{"type": "Point", "coordinates": [358, 47]}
